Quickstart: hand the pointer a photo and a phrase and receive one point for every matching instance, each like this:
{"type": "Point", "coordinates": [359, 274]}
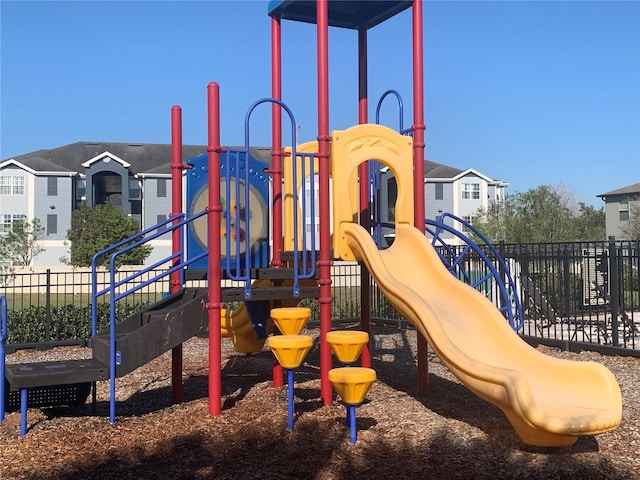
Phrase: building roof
{"type": "Point", "coordinates": [143, 157]}
{"type": "Point", "coordinates": [630, 189]}
{"type": "Point", "coordinates": [438, 170]}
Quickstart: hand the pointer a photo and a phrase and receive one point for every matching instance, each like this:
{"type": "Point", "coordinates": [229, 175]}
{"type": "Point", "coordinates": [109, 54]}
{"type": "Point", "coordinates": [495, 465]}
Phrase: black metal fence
{"type": "Point", "coordinates": [574, 295]}
{"type": "Point", "coordinates": [580, 292]}
{"type": "Point", "coordinates": [582, 295]}
{"type": "Point", "coordinates": [49, 289]}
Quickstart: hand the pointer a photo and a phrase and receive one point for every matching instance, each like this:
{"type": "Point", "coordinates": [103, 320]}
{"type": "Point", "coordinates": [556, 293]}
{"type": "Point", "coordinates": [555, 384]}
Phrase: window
{"type": "Point", "coordinates": [6, 223]}
{"type": "Point", "coordinates": [469, 220]}
{"type": "Point", "coordinates": [623, 210]}
{"type": "Point", "coordinates": [52, 224]}
{"type": "Point", "coordinates": [162, 187]}
{"type": "Point", "coordinates": [11, 185]}
{"type": "Point", "coordinates": [134, 189]}
{"type": "Point", "coordinates": [8, 220]}
{"type": "Point", "coordinates": [159, 220]}
{"type": "Point", "coordinates": [439, 191]}
{"type": "Point", "coordinates": [5, 185]}
{"type": "Point", "coordinates": [470, 191]}
{"type": "Point", "coordinates": [81, 188]}
{"type": "Point", "coordinates": [52, 186]}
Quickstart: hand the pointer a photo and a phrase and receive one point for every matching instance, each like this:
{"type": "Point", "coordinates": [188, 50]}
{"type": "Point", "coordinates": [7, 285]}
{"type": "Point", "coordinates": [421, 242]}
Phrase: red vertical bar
{"type": "Point", "coordinates": [276, 162]}
{"type": "Point", "coordinates": [363, 172]}
{"type": "Point", "coordinates": [176, 209]}
{"type": "Point", "coordinates": [276, 139]}
{"type": "Point", "coordinates": [418, 164]}
{"type": "Point", "coordinates": [214, 209]}
{"type": "Point", "coordinates": [324, 263]}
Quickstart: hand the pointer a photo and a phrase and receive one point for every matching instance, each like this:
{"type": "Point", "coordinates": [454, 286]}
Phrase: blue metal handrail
{"type": "Point", "coordinates": [374, 165]}
{"type": "Point", "coordinates": [400, 107]}
{"type": "Point", "coordinates": [435, 228]}
{"type": "Point", "coordinates": [298, 274]}
{"type": "Point", "coordinates": [308, 269]}
{"type": "Point", "coordinates": [516, 321]}
{"type": "Point", "coordinates": [143, 234]}
{"type": "Point", "coordinates": [124, 246]}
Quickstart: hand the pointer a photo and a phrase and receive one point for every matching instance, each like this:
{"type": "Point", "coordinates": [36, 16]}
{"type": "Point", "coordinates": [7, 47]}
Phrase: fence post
{"type": "Point", "coordinates": [523, 258]}
{"type": "Point", "coordinates": [47, 325]}
{"type": "Point", "coordinates": [503, 274]}
{"type": "Point", "coordinates": [567, 282]}
{"type": "Point", "coordinates": [613, 289]}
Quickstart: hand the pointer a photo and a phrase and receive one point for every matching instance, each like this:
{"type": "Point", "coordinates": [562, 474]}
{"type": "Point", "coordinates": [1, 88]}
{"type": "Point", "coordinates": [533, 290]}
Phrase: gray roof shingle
{"type": "Point", "coordinates": [142, 157]}
{"type": "Point", "coordinates": [630, 189]}
{"type": "Point", "coordinates": [438, 170]}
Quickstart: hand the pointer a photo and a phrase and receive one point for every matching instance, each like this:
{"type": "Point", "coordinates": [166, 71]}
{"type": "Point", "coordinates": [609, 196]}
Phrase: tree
{"type": "Point", "coordinates": [95, 228]}
{"type": "Point", "coordinates": [22, 244]}
{"type": "Point", "coordinates": [632, 229]}
{"type": "Point", "coordinates": [590, 224]}
{"type": "Point", "coordinates": [543, 214]}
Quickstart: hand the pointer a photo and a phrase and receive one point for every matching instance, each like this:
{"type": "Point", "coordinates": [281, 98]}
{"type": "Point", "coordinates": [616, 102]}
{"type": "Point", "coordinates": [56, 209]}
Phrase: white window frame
{"type": "Point", "coordinates": [471, 191]}
{"type": "Point", "coordinates": [8, 220]}
{"type": "Point", "coordinates": [11, 185]}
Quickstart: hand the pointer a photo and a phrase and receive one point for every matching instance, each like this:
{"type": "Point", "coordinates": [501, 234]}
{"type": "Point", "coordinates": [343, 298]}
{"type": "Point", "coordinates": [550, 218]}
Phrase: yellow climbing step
{"type": "Point", "coordinates": [290, 350]}
{"type": "Point", "coordinates": [352, 383]}
{"type": "Point", "coordinates": [290, 320]}
{"type": "Point", "coordinates": [347, 345]}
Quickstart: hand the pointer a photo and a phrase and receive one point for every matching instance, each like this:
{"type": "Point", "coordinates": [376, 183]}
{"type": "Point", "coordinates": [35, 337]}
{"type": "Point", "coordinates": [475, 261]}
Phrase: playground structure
{"type": "Point", "coordinates": [549, 402]}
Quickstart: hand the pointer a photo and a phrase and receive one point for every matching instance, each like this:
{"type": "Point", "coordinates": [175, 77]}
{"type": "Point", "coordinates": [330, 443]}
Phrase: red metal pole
{"type": "Point", "coordinates": [418, 163]}
{"type": "Point", "coordinates": [363, 172]}
{"type": "Point", "coordinates": [276, 161]}
{"type": "Point", "coordinates": [324, 263]}
{"type": "Point", "coordinates": [176, 209]}
{"type": "Point", "coordinates": [276, 139]}
{"type": "Point", "coordinates": [214, 208]}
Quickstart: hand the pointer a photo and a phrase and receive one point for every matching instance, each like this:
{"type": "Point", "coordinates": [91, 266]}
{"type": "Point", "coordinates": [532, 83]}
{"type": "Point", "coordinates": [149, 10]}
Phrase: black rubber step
{"type": "Point", "coordinates": [72, 395]}
{"type": "Point", "coordinates": [42, 374]}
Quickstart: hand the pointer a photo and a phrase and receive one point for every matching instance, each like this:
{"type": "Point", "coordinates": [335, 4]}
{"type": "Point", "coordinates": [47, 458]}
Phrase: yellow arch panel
{"type": "Point", "coordinates": [349, 149]}
{"type": "Point", "coordinates": [292, 185]}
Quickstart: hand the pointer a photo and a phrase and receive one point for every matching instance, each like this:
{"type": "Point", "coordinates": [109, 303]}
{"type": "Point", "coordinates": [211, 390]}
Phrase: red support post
{"type": "Point", "coordinates": [276, 162]}
{"type": "Point", "coordinates": [214, 208]}
{"type": "Point", "coordinates": [324, 263]}
{"type": "Point", "coordinates": [365, 212]}
{"type": "Point", "coordinates": [176, 209]}
{"type": "Point", "coordinates": [418, 128]}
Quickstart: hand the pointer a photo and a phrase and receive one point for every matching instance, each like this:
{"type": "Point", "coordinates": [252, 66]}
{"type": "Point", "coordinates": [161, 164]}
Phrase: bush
{"type": "Point", "coordinates": [68, 322]}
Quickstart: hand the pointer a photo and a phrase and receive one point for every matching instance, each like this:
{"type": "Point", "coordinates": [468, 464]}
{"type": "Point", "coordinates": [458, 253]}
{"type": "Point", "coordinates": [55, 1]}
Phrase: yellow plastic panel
{"type": "Point", "coordinates": [290, 350]}
{"type": "Point", "coordinates": [290, 320]}
{"type": "Point", "coordinates": [347, 344]}
{"type": "Point", "coordinates": [294, 185]}
{"type": "Point", "coordinates": [352, 383]}
{"type": "Point", "coordinates": [349, 149]}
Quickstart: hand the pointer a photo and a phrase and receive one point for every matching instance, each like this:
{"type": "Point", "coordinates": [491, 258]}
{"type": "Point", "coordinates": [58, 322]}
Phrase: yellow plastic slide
{"type": "Point", "coordinates": [237, 325]}
{"type": "Point", "coordinates": [549, 401]}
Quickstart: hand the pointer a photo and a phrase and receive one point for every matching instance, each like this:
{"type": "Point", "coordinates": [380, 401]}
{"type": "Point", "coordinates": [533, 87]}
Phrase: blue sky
{"type": "Point", "coordinates": [531, 93]}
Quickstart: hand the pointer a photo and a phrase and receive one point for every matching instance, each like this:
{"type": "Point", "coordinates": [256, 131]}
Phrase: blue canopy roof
{"type": "Point", "coordinates": [342, 13]}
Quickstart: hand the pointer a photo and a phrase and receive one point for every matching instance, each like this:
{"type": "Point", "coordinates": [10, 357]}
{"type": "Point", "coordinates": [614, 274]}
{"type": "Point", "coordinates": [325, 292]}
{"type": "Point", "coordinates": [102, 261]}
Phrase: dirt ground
{"type": "Point", "coordinates": [449, 433]}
